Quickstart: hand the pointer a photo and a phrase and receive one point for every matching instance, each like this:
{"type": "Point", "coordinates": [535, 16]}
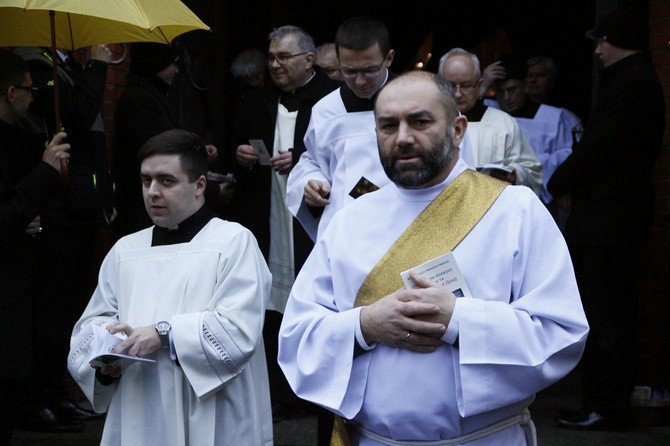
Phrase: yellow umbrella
{"type": "Point", "coordinates": [73, 24]}
{"type": "Point", "coordinates": [81, 23]}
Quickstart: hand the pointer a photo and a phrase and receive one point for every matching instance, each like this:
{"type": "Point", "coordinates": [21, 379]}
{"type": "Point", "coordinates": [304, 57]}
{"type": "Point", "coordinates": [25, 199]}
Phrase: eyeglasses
{"type": "Point", "coordinates": [464, 88]}
{"type": "Point", "coordinates": [366, 72]}
{"type": "Point", "coordinates": [282, 59]}
{"type": "Point", "coordinates": [591, 34]}
{"type": "Point", "coordinates": [33, 90]}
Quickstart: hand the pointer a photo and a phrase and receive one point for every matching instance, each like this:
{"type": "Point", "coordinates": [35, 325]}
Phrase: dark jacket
{"type": "Point", "coordinates": [24, 194]}
{"type": "Point", "coordinates": [255, 118]}
{"type": "Point", "coordinates": [609, 173]}
{"type": "Point", "coordinates": [88, 198]}
{"type": "Point", "coordinates": [144, 110]}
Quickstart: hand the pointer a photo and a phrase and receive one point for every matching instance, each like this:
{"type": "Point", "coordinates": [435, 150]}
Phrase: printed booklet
{"type": "Point", "coordinates": [442, 270]}
{"type": "Point", "coordinates": [101, 349]}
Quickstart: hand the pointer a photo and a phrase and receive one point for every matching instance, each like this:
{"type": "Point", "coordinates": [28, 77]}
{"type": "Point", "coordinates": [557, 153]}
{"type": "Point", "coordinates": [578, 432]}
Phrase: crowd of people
{"type": "Point", "coordinates": [279, 276]}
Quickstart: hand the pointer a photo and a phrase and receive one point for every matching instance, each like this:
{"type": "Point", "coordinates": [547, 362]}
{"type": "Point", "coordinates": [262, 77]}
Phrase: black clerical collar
{"type": "Point", "coordinates": [528, 111]}
{"type": "Point", "coordinates": [476, 113]}
{"type": "Point", "coordinates": [355, 104]}
{"type": "Point", "coordinates": [185, 231]}
{"type": "Point", "coordinates": [293, 101]}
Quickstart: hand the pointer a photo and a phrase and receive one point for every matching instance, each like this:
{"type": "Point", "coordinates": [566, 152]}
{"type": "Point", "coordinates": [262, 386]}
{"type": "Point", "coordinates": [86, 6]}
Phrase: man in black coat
{"type": "Point", "coordinates": [608, 180]}
{"type": "Point", "coordinates": [278, 115]}
{"type": "Point", "coordinates": [26, 190]}
{"type": "Point", "coordinates": [67, 247]}
{"type": "Point", "coordinates": [145, 109]}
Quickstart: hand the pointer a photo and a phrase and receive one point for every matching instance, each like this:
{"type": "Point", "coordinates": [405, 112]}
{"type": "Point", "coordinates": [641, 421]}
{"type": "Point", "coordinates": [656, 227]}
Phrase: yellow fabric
{"type": "Point", "coordinates": [437, 230]}
{"type": "Point", "coordinates": [83, 23]}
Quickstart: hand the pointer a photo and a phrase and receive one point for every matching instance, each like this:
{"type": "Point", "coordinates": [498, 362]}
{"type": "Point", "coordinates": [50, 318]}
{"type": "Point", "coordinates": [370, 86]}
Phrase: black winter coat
{"type": "Point", "coordinates": [609, 173]}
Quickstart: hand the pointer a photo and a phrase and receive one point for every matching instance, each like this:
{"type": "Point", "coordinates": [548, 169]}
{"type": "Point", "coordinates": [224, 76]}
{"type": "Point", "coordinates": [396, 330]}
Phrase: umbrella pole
{"type": "Point", "coordinates": [64, 172]}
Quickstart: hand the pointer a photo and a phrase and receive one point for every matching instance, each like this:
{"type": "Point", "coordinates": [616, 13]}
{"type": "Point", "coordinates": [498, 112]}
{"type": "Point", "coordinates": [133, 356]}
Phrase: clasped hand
{"type": "Point", "coordinates": [424, 313]}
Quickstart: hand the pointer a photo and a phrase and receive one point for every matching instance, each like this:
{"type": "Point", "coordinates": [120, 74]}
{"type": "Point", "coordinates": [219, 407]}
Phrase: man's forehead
{"type": "Point", "coordinates": [163, 162]}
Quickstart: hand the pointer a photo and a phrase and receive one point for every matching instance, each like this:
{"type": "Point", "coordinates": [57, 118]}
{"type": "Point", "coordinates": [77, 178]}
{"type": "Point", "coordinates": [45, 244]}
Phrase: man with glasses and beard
{"type": "Point", "coordinates": [464, 368]}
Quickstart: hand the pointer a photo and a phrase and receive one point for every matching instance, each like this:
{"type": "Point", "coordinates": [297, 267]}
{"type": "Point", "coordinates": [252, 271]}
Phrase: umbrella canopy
{"type": "Point", "coordinates": [81, 23]}
{"type": "Point", "coordinates": [73, 24]}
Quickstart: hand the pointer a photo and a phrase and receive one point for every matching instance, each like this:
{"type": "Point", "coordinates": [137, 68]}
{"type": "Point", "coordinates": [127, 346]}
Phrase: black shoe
{"type": "Point", "coordinates": [590, 420]}
{"type": "Point", "coordinates": [282, 412]}
{"type": "Point", "coordinates": [71, 411]}
{"type": "Point", "coordinates": [45, 420]}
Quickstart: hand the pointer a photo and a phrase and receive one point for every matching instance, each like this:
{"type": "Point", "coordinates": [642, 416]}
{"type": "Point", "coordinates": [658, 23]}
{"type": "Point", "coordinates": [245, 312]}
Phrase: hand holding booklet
{"type": "Point", "coordinates": [101, 349]}
{"type": "Point", "coordinates": [442, 270]}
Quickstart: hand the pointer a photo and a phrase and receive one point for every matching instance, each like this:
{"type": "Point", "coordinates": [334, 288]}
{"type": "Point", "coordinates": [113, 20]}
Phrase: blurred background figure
{"type": "Point", "coordinates": [248, 68]}
{"type": "Point", "coordinates": [66, 248]}
{"type": "Point", "coordinates": [326, 58]}
{"type": "Point", "coordinates": [145, 109]}
{"type": "Point", "coordinates": [27, 187]}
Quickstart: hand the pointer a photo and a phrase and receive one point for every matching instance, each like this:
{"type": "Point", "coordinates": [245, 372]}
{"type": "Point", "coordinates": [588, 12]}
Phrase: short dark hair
{"type": "Point", "coordinates": [189, 146]}
{"type": "Point", "coordinates": [12, 69]}
{"type": "Point", "coordinates": [362, 32]}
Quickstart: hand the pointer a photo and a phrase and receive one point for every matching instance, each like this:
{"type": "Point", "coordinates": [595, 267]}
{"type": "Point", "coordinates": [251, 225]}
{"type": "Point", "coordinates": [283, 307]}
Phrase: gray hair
{"type": "Point", "coordinates": [460, 52]}
{"type": "Point", "coordinates": [547, 61]}
{"type": "Point", "coordinates": [305, 41]}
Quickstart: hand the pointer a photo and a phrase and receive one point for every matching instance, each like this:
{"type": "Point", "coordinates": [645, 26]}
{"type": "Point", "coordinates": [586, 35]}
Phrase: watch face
{"type": "Point", "coordinates": [163, 326]}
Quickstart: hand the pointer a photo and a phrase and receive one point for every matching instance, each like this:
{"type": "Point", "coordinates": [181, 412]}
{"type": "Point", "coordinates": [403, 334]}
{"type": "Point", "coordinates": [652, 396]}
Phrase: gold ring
{"type": "Point", "coordinates": [409, 333]}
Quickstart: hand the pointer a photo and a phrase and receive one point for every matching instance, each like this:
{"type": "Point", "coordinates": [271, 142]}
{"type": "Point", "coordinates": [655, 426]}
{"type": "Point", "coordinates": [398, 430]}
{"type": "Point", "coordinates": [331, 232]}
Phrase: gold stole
{"type": "Point", "coordinates": [437, 230]}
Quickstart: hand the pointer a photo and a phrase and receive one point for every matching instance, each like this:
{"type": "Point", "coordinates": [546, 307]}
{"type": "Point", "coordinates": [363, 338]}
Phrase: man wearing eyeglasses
{"type": "Point", "coordinates": [26, 188]}
{"type": "Point", "coordinates": [341, 162]}
{"type": "Point", "coordinates": [494, 135]}
{"type": "Point", "coordinates": [67, 247]}
{"type": "Point", "coordinates": [278, 115]}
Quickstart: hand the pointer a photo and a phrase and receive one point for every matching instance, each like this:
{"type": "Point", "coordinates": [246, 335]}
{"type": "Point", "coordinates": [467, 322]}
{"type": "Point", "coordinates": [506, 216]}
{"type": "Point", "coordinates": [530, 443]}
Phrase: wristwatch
{"type": "Point", "coordinates": [163, 328]}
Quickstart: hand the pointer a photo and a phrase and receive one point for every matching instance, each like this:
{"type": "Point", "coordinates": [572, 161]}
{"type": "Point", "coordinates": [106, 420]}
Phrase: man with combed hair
{"type": "Point", "coordinates": [189, 292]}
{"type": "Point", "coordinates": [495, 137]}
{"type": "Point", "coordinates": [468, 366]}
{"type": "Point", "coordinates": [341, 161]}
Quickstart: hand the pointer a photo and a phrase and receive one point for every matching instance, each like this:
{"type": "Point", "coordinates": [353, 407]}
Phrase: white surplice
{"type": "Point", "coordinates": [523, 329]}
{"type": "Point", "coordinates": [281, 256]}
{"type": "Point", "coordinates": [341, 148]}
{"type": "Point", "coordinates": [498, 139]}
{"type": "Point", "coordinates": [549, 133]}
{"type": "Point", "coordinates": [213, 290]}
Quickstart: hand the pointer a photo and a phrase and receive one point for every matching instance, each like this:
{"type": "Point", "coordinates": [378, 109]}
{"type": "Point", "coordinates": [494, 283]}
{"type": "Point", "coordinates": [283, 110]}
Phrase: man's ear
{"type": "Point", "coordinates": [311, 57]}
{"type": "Point", "coordinates": [200, 185]}
{"type": "Point", "coordinates": [459, 124]}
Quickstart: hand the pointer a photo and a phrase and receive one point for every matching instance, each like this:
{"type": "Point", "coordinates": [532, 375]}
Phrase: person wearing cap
{"type": "Point", "coordinates": [547, 128]}
{"type": "Point", "coordinates": [144, 109]}
{"type": "Point", "coordinates": [607, 184]}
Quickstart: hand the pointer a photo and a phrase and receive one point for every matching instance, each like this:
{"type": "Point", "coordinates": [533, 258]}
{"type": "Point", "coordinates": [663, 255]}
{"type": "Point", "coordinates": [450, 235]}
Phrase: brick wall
{"type": "Point", "coordinates": [654, 344]}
